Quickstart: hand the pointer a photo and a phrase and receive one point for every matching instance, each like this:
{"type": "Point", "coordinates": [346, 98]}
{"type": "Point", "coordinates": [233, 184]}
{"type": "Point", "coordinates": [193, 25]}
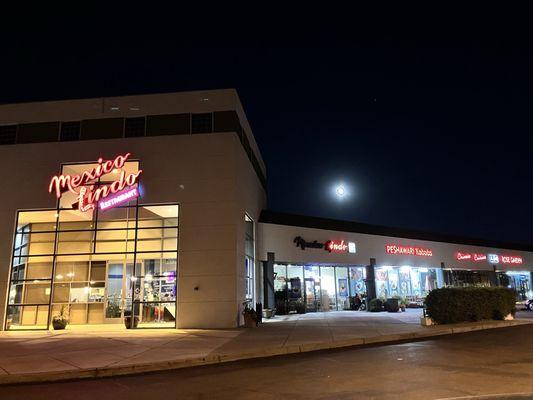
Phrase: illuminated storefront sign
{"type": "Point", "coordinates": [479, 257]}
{"type": "Point", "coordinates": [88, 194]}
{"type": "Point", "coordinates": [118, 198]}
{"type": "Point", "coordinates": [470, 257]}
{"type": "Point", "coordinates": [494, 258]}
{"type": "Point", "coordinates": [491, 258]}
{"type": "Point", "coordinates": [408, 250]}
{"type": "Point", "coordinates": [517, 260]}
{"type": "Point", "coordinates": [463, 256]}
{"type": "Point", "coordinates": [340, 247]}
{"type": "Point", "coordinates": [332, 246]}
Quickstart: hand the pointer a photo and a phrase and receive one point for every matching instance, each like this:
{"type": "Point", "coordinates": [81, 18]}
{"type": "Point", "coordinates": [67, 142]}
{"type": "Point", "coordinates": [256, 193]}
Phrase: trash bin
{"type": "Point", "coordinates": [392, 305]}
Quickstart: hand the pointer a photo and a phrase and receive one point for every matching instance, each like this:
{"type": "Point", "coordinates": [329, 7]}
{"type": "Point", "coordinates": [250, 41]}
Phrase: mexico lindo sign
{"type": "Point", "coordinates": [106, 195]}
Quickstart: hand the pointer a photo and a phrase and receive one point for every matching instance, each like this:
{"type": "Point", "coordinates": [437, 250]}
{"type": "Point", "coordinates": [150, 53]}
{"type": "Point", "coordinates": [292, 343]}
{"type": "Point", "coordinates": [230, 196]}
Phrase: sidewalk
{"type": "Point", "coordinates": [97, 351]}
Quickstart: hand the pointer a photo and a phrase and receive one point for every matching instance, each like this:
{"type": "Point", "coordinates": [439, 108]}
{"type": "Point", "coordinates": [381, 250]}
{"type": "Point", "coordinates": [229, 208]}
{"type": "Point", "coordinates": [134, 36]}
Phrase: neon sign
{"type": "Point", "coordinates": [479, 257]}
{"type": "Point", "coordinates": [336, 246]}
{"type": "Point", "coordinates": [463, 256]}
{"type": "Point", "coordinates": [119, 198]}
{"type": "Point", "coordinates": [491, 258]}
{"type": "Point", "coordinates": [84, 185]}
{"type": "Point", "coordinates": [494, 258]}
{"type": "Point", "coordinates": [408, 250]}
{"type": "Point", "coordinates": [512, 259]}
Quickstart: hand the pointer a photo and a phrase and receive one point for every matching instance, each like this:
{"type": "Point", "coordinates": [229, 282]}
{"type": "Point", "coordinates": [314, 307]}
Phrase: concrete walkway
{"type": "Point", "coordinates": [95, 351]}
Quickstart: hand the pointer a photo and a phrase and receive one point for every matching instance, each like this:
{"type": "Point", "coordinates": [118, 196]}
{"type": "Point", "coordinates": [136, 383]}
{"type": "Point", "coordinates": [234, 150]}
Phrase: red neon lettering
{"type": "Point", "coordinates": [463, 256]}
{"type": "Point", "coordinates": [408, 250]}
{"type": "Point", "coordinates": [338, 247]}
{"type": "Point", "coordinates": [87, 196]}
{"type": "Point", "coordinates": [512, 259]}
{"type": "Point", "coordinates": [480, 257]}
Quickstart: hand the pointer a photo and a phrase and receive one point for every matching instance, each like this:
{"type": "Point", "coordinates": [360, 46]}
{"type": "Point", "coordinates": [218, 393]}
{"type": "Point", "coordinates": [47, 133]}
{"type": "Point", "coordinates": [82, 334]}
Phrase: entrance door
{"type": "Point", "coordinates": [118, 290]}
{"type": "Point", "coordinates": [312, 294]}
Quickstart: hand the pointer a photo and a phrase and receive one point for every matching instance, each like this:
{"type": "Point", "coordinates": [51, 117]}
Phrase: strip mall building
{"type": "Point", "coordinates": [155, 206]}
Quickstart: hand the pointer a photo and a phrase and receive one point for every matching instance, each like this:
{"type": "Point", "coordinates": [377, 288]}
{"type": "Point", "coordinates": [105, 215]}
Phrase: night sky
{"type": "Point", "coordinates": [431, 135]}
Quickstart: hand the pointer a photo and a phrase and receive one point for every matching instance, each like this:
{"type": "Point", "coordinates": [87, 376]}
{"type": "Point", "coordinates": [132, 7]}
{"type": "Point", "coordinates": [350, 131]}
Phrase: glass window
{"type": "Point", "coordinates": [295, 277]}
{"type": "Point", "coordinates": [280, 280]}
{"type": "Point", "coordinates": [357, 281]}
{"type": "Point", "coordinates": [70, 131]}
{"type": "Point", "coordinates": [94, 274]}
{"type": "Point", "coordinates": [134, 127]}
{"type": "Point", "coordinates": [27, 317]}
{"type": "Point", "coordinates": [327, 280]}
{"type": "Point", "coordinates": [343, 290]}
{"type": "Point", "coordinates": [249, 258]}
{"type": "Point", "coordinates": [202, 123]}
{"type": "Point", "coordinates": [68, 270]}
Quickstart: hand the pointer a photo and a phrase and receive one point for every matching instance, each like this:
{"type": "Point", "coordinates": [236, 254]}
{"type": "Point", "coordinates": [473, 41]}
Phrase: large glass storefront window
{"type": "Point", "coordinates": [464, 277]}
{"type": "Point", "coordinates": [98, 265]}
{"type": "Point", "coordinates": [249, 257]}
{"type": "Point", "coordinates": [520, 281]}
{"type": "Point", "coordinates": [405, 281]}
{"type": "Point", "coordinates": [317, 288]}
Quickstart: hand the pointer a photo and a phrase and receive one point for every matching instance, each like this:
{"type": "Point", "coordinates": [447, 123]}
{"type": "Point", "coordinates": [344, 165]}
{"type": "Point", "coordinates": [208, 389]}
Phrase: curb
{"type": "Point", "coordinates": [110, 371]}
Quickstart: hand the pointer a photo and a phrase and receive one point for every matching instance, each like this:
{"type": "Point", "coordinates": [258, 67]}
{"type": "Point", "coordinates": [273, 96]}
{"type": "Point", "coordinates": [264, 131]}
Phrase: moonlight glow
{"type": "Point", "coordinates": [340, 191]}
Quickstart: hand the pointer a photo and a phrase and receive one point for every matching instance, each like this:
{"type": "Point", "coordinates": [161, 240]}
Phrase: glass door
{"type": "Point", "coordinates": [312, 294]}
{"type": "Point", "coordinates": [118, 293]}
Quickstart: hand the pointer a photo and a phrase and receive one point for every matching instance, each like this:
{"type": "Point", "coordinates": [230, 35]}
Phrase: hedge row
{"type": "Point", "coordinates": [450, 305]}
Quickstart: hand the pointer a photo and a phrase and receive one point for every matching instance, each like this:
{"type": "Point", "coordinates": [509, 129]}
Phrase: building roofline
{"type": "Point", "coordinates": [304, 221]}
{"type": "Point", "coordinates": [21, 102]}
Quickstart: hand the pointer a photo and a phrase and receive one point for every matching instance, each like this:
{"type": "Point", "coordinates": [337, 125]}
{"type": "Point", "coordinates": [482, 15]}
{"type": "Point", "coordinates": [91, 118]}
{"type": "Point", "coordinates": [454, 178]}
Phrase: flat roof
{"type": "Point", "coordinates": [304, 221]}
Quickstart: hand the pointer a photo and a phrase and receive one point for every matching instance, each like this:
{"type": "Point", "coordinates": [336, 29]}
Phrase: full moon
{"type": "Point", "coordinates": [340, 191]}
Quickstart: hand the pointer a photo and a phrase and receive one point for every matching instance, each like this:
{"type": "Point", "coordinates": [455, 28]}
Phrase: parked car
{"type": "Point", "coordinates": [524, 305]}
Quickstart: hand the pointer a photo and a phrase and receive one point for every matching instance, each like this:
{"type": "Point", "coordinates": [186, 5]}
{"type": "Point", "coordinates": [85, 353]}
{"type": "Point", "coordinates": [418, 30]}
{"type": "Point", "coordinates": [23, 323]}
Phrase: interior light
{"type": "Point", "coordinates": [423, 269]}
{"type": "Point", "coordinates": [115, 171]}
{"type": "Point", "coordinates": [59, 276]}
{"type": "Point", "coordinates": [148, 277]}
{"type": "Point", "coordinates": [70, 274]}
{"type": "Point", "coordinates": [133, 278]}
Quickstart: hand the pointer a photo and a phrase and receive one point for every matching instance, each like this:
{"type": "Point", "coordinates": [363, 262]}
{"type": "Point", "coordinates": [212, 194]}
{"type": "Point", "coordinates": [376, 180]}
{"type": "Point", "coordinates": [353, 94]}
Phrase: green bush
{"type": "Point", "coordinates": [375, 305]}
{"type": "Point", "coordinates": [450, 305]}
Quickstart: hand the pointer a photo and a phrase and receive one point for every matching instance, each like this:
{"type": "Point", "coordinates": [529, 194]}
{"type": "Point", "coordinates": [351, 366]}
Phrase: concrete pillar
{"type": "Point", "coordinates": [493, 276]}
{"type": "Point", "coordinates": [268, 281]}
{"type": "Point", "coordinates": [370, 282]}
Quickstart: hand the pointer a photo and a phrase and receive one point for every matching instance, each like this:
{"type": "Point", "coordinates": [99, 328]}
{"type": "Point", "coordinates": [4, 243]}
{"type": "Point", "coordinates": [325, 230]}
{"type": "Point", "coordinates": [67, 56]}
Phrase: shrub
{"type": "Point", "coordinates": [450, 305]}
{"type": "Point", "coordinates": [375, 305]}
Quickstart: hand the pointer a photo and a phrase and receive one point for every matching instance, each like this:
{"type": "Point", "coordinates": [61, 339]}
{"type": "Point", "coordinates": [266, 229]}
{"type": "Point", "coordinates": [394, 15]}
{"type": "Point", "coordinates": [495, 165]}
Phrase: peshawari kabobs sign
{"type": "Point", "coordinates": [107, 195]}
